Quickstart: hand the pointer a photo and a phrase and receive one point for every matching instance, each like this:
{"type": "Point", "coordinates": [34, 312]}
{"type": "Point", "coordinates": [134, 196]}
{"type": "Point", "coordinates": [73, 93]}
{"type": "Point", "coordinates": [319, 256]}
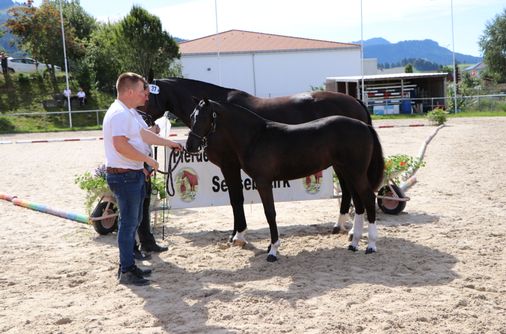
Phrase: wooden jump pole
{"type": "Point", "coordinates": [80, 218]}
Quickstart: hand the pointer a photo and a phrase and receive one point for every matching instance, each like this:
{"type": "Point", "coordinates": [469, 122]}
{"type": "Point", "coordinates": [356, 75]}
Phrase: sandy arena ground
{"type": "Point", "coordinates": [441, 265]}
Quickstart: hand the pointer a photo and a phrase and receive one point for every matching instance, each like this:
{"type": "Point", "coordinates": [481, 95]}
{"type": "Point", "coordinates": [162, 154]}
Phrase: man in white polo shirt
{"type": "Point", "coordinates": [127, 146]}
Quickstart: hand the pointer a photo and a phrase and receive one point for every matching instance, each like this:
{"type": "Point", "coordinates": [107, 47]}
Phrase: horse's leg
{"type": "Point", "coordinates": [265, 191]}
{"type": "Point", "coordinates": [344, 210]}
{"type": "Point", "coordinates": [232, 175]}
{"type": "Point", "coordinates": [364, 197]}
{"type": "Point", "coordinates": [358, 223]}
{"type": "Point", "coordinates": [368, 199]}
{"type": "Point", "coordinates": [352, 180]}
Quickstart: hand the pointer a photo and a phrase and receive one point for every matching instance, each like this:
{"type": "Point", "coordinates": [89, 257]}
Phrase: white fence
{"type": "Point", "coordinates": [495, 102]}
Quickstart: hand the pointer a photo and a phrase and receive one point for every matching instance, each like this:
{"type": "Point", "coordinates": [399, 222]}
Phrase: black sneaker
{"type": "Point", "coordinates": [138, 271]}
{"type": "Point", "coordinates": [132, 277]}
{"type": "Point", "coordinates": [154, 248]}
{"type": "Point", "coordinates": [141, 256]}
{"type": "Point", "coordinates": [142, 272]}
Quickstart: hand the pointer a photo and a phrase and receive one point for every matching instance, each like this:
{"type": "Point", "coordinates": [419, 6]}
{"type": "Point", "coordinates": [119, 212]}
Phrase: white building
{"type": "Point", "coordinates": [267, 65]}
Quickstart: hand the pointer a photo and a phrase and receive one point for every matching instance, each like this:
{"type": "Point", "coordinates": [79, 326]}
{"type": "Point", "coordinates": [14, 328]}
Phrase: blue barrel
{"type": "Point", "coordinates": [406, 107]}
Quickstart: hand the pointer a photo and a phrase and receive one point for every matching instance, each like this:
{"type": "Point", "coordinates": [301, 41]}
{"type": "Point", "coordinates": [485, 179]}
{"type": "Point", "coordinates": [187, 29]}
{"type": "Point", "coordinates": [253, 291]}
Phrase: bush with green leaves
{"type": "Point", "coordinates": [23, 79]}
{"type": "Point", "coordinates": [158, 187]}
{"type": "Point", "coordinates": [437, 116]}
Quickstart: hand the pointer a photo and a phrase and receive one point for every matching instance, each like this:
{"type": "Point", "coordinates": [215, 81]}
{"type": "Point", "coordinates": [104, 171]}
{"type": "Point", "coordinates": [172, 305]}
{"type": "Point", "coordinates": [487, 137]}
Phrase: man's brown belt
{"type": "Point", "coordinates": [114, 170]}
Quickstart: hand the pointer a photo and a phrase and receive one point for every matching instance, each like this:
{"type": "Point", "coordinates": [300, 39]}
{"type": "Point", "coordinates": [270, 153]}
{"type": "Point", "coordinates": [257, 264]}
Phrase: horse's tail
{"type": "Point", "coordinates": [376, 167]}
{"type": "Point", "coordinates": [369, 119]}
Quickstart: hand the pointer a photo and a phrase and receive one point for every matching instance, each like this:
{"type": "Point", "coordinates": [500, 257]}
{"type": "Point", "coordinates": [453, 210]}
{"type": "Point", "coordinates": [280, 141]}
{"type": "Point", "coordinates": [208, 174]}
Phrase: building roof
{"type": "Point", "coordinates": [392, 76]}
{"type": "Point", "coordinates": [475, 67]}
{"type": "Point", "coordinates": [240, 41]}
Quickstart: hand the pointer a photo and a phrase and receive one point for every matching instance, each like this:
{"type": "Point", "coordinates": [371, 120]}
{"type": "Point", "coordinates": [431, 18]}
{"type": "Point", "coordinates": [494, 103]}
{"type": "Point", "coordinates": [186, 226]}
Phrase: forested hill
{"type": "Point", "coordinates": [7, 38]}
{"type": "Point", "coordinates": [426, 49]}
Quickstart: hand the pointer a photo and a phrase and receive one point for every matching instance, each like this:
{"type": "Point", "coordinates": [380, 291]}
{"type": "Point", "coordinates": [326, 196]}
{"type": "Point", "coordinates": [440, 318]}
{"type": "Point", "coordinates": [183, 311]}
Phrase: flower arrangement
{"type": "Point", "coordinates": [396, 165]}
{"type": "Point", "coordinates": [96, 186]}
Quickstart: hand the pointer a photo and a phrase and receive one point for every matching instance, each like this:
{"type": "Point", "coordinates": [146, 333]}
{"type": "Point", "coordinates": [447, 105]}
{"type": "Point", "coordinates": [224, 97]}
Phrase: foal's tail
{"type": "Point", "coordinates": [377, 165]}
{"type": "Point", "coordinates": [368, 114]}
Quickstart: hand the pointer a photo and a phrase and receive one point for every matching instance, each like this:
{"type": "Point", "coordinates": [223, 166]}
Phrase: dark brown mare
{"type": "Point", "coordinates": [178, 95]}
{"type": "Point", "coordinates": [269, 151]}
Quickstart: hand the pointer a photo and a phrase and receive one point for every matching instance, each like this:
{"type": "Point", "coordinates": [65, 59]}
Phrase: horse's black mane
{"type": "Point", "coordinates": [198, 83]}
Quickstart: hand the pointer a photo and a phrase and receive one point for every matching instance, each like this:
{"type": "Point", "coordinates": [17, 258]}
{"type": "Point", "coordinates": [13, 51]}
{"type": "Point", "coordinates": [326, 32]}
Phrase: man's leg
{"type": "Point", "coordinates": [146, 238]}
{"type": "Point", "coordinates": [128, 189]}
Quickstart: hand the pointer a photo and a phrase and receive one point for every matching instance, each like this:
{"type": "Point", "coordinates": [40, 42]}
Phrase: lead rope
{"type": "Point", "coordinates": [169, 179]}
{"type": "Point", "coordinates": [169, 182]}
{"type": "Point", "coordinates": [164, 203]}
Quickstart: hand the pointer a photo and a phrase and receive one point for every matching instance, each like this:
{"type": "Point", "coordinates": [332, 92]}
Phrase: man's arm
{"type": "Point", "coordinates": [124, 148]}
{"type": "Point", "coordinates": [153, 139]}
{"type": "Point", "coordinates": [155, 129]}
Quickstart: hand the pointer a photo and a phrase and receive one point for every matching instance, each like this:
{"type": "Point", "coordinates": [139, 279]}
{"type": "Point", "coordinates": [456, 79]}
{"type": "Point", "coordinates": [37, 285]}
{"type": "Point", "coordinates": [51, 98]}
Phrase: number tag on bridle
{"type": "Point", "coordinates": [154, 89]}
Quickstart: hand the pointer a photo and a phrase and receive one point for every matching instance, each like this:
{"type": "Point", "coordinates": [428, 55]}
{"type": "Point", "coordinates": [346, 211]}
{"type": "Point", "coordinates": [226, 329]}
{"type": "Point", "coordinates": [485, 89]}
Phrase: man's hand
{"type": "Point", "coordinates": [176, 146]}
{"type": "Point", "coordinates": [153, 163]}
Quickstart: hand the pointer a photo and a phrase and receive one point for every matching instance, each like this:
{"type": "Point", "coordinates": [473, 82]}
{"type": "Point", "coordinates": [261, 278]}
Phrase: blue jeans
{"type": "Point", "coordinates": [129, 190]}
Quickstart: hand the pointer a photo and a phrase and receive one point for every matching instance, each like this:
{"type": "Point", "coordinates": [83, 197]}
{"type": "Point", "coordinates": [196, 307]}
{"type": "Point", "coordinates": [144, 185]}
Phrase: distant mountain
{"type": "Point", "coordinates": [375, 41]}
{"type": "Point", "coordinates": [426, 49]}
{"type": "Point", "coordinates": [4, 4]}
{"type": "Point", "coordinates": [7, 38]}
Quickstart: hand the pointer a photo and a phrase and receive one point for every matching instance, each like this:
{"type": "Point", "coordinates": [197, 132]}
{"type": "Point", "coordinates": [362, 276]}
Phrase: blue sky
{"type": "Point", "coordinates": [334, 20]}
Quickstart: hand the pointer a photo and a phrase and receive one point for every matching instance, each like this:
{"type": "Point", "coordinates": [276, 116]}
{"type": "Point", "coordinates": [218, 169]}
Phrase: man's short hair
{"type": "Point", "coordinates": [129, 80]}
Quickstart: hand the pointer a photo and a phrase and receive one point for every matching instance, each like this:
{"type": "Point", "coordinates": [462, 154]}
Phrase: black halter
{"type": "Point", "coordinates": [203, 138]}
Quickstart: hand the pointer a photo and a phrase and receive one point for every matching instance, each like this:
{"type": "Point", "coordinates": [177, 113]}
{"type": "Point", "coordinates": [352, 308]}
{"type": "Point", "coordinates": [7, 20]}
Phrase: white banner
{"type": "Point", "coordinates": [199, 183]}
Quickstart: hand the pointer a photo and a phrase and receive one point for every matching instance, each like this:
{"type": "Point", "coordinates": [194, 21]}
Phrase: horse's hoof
{"type": "Point", "coordinates": [231, 239]}
{"type": "Point", "coordinates": [350, 237]}
{"type": "Point", "coordinates": [271, 258]}
{"type": "Point", "coordinates": [370, 250]}
{"type": "Point", "coordinates": [336, 230]}
{"type": "Point", "coordinates": [352, 248]}
{"type": "Point", "coordinates": [239, 243]}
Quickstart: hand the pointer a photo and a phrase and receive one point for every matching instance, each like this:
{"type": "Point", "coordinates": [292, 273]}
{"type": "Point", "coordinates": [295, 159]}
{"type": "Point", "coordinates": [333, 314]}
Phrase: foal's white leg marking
{"type": "Point", "coordinates": [358, 226]}
{"type": "Point", "coordinates": [274, 248]}
{"type": "Point", "coordinates": [373, 236]}
{"type": "Point", "coordinates": [341, 223]}
{"type": "Point", "coordinates": [239, 239]}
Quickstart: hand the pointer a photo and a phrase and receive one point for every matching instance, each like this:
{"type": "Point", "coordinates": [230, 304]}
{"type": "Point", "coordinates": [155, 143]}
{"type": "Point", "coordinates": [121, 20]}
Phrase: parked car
{"type": "Point", "coordinates": [26, 65]}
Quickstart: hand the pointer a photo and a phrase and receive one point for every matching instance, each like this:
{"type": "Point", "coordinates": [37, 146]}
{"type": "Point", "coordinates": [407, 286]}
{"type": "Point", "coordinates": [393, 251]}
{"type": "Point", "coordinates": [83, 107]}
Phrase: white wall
{"type": "Point", "coordinates": [272, 74]}
{"type": "Point", "coordinates": [370, 66]}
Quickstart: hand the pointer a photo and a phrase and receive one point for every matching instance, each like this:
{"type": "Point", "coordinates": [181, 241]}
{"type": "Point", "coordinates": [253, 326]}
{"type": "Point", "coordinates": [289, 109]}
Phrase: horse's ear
{"type": "Point", "coordinates": [195, 99]}
{"type": "Point", "coordinates": [151, 76]}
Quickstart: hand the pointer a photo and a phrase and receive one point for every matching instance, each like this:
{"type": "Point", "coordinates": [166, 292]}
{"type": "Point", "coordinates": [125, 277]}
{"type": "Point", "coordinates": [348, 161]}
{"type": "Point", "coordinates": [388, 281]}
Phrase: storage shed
{"type": "Point", "coordinates": [394, 93]}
